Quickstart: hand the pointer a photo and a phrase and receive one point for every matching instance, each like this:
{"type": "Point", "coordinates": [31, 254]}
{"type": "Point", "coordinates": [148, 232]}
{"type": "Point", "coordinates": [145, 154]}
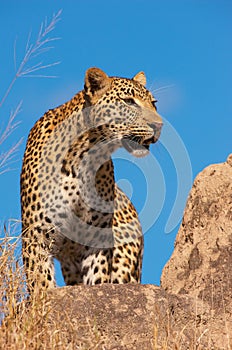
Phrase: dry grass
{"type": "Point", "coordinates": [26, 322]}
{"type": "Point", "coordinates": [30, 65]}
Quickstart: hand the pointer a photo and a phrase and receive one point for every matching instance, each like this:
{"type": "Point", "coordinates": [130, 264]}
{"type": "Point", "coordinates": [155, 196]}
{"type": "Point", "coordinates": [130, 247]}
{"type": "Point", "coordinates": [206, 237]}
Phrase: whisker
{"type": "Point", "coordinates": [163, 88]}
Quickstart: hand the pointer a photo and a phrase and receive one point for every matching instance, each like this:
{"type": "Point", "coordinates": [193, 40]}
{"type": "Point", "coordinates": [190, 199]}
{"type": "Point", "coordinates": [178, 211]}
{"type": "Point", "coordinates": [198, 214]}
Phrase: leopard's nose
{"type": "Point", "coordinates": [156, 127]}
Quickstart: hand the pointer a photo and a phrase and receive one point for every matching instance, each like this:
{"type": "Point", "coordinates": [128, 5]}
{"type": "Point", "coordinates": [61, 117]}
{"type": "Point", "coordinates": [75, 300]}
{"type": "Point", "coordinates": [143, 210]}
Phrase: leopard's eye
{"type": "Point", "coordinates": [130, 101]}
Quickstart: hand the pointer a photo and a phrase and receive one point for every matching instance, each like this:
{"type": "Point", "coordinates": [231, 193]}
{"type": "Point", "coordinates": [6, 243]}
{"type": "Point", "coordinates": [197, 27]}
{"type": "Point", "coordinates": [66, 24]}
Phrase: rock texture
{"type": "Point", "coordinates": [201, 264]}
{"type": "Point", "coordinates": [193, 307]}
{"type": "Point", "coordinates": [129, 317]}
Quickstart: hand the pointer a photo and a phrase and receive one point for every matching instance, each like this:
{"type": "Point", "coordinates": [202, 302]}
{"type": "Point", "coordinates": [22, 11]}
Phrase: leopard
{"type": "Point", "coordinates": [72, 208]}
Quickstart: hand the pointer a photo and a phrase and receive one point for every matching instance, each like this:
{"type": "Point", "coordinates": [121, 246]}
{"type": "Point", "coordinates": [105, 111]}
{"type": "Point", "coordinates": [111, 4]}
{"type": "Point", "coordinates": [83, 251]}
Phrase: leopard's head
{"type": "Point", "coordinates": [123, 107]}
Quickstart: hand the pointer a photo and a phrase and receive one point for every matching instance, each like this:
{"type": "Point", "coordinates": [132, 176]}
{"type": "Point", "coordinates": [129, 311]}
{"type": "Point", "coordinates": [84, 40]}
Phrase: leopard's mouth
{"type": "Point", "coordinates": [139, 147]}
{"type": "Point", "coordinates": [134, 147]}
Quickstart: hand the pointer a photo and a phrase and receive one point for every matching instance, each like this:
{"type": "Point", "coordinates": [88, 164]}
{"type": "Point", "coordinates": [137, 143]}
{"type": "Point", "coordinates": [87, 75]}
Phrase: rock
{"type": "Point", "coordinates": [128, 317]}
{"type": "Point", "coordinates": [201, 264]}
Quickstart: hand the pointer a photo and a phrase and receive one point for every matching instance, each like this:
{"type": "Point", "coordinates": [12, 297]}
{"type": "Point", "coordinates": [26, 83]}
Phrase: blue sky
{"type": "Point", "coordinates": [185, 49]}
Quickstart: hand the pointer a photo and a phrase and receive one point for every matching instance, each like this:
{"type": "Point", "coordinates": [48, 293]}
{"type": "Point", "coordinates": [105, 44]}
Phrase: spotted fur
{"type": "Point", "coordinates": [72, 210]}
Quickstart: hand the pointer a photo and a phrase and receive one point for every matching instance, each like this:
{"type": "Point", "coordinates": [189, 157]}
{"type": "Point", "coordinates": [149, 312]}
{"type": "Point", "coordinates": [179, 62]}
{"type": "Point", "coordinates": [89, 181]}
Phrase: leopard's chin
{"type": "Point", "coordinates": [136, 149]}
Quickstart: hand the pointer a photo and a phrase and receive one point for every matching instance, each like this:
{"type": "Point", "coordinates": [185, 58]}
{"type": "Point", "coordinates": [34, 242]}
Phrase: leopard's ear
{"type": "Point", "coordinates": [140, 78]}
{"type": "Point", "coordinates": [96, 81]}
